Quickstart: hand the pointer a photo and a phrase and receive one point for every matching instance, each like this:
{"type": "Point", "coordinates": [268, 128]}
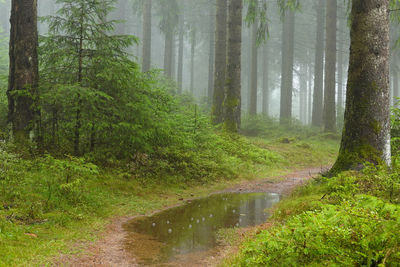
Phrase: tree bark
{"type": "Point", "coordinates": [265, 103]}
{"type": "Point", "coordinates": [366, 133]}
{"type": "Point", "coordinates": [146, 57]}
{"type": "Point", "coordinates": [180, 52]}
{"type": "Point", "coordinates": [220, 61]}
{"type": "Point", "coordinates": [23, 80]}
{"type": "Point", "coordinates": [211, 51]}
{"type": "Point", "coordinates": [330, 68]}
{"type": "Point", "coordinates": [317, 111]}
{"type": "Point", "coordinates": [253, 70]}
{"type": "Point", "coordinates": [287, 68]}
{"type": "Point", "coordinates": [232, 101]}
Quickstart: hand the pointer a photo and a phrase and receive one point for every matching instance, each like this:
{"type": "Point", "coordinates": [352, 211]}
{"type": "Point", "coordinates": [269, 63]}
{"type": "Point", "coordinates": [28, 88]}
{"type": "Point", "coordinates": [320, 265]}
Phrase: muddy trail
{"type": "Point", "coordinates": [126, 241]}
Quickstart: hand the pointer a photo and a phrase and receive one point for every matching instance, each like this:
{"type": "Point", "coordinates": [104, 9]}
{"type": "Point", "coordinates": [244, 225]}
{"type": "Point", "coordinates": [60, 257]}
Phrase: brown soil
{"type": "Point", "coordinates": [110, 252]}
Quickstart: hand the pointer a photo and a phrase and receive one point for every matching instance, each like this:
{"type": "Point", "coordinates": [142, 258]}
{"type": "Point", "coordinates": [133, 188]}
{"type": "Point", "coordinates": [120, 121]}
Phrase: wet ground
{"type": "Point", "coordinates": [181, 231]}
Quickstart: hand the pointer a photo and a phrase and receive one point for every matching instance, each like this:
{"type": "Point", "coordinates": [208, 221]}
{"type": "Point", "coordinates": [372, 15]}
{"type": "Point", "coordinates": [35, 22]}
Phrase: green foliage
{"type": "Point", "coordinates": [348, 220]}
{"type": "Point", "coordinates": [363, 232]}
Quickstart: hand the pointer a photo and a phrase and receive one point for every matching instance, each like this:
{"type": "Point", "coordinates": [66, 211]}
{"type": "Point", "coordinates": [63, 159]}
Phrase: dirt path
{"type": "Point", "coordinates": [110, 252]}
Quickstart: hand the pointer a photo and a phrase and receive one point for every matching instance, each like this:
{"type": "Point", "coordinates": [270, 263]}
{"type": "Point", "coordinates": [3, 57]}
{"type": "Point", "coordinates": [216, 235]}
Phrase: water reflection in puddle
{"type": "Point", "coordinates": [192, 227]}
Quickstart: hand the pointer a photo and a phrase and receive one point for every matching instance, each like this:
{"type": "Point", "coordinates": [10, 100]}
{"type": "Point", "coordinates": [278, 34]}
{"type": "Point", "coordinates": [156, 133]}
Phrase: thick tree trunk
{"type": "Point", "coordinates": [180, 52]}
{"type": "Point", "coordinates": [23, 76]}
{"type": "Point", "coordinates": [192, 56]}
{"type": "Point", "coordinates": [287, 68]}
{"type": "Point", "coordinates": [317, 111]}
{"type": "Point", "coordinates": [265, 102]}
{"type": "Point", "coordinates": [211, 51]}
{"type": "Point", "coordinates": [220, 61]}
{"type": "Point", "coordinates": [146, 57]}
{"type": "Point", "coordinates": [330, 68]}
{"type": "Point", "coordinates": [253, 70]}
{"type": "Point", "coordinates": [366, 133]}
{"type": "Point", "coordinates": [232, 102]}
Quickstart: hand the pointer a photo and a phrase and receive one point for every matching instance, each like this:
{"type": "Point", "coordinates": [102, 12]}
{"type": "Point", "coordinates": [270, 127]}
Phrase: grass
{"type": "Point", "coordinates": [77, 211]}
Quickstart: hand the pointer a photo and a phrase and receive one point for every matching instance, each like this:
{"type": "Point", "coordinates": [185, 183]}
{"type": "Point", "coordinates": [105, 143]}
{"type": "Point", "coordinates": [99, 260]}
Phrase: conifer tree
{"type": "Point", "coordinates": [78, 49]}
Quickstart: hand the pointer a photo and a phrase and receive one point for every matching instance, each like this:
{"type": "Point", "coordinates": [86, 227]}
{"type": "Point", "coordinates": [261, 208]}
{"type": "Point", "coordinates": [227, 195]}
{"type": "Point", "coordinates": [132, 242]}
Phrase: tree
{"type": "Point", "coordinates": [319, 67]}
{"type": "Point", "coordinates": [146, 57]}
{"type": "Point", "coordinates": [253, 70]}
{"type": "Point", "coordinates": [168, 11]}
{"type": "Point", "coordinates": [180, 48]}
{"type": "Point", "coordinates": [330, 67]}
{"type": "Point", "coordinates": [232, 101]}
{"type": "Point", "coordinates": [24, 75]}
{"type": "Point", "coordinates": [79, 53]}
{"type": "Point", "coordinates": [211, 52]}
{"type": "Point", "coordinates": [265, 103]}
{"type": "Point", "coordinates": [220, 61]}
{"type": "Point", "coordinates": [287, 67]}
{"type": "Point", "coordinates": [366, 133]}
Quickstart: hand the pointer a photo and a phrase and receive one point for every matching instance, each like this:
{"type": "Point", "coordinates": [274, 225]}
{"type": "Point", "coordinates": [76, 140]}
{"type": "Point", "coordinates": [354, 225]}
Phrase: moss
{"type": "Point", "coordinates": [355, 160]}
{"type": "Point", "coordinates": [375, 125]}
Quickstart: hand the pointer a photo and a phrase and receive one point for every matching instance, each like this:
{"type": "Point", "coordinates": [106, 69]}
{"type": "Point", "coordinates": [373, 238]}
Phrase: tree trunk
{"type": "Point", "coordinates": [232, 102]}
{"type": "Point", "coordinates": [303, 93]}
{"type": "Point", "coordinates": [168, 53]}
{"type": "Point", "coordinates": [146, 57]}
{"type": "Point", "coordinates": [317, 111]}
{"type": "Point", "coordinates": [192, 56]}
{"type": "Point", "coordinates": [211, 51]}
{"type": "Point", "coordinates": [309, 113]}
{"type": "Point", "coordinates": [330, 68]}
{"type": "Point", "coordinates": [220, 61]}
{"type": "Point", "coordinates": [265, 103]}
{"type": "Point", "coordinates": [287, 68]}
{"type": "Point", "coordinates": [366, 133]}
{"type": "Point", "coordinates": [253, 70]}
{"type": "Point", "coordinates": [78, 123]}
{"type": "Point", "coordinates": [23, 79]}
{"type": "Point", "coordinates": [180, 52]}
{"type": "Point", "coordinates": [173, 59]}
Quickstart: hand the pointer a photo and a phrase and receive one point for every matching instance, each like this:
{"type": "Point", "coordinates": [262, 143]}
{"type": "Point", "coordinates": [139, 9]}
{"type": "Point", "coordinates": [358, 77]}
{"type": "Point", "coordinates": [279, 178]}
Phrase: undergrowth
{"type": "Point", "coordinates": [348, 220]}
{"type": "Point", "coordinates": [49, 202]}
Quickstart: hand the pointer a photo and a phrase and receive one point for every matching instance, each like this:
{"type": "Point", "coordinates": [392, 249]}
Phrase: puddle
{"type": "Point", "coordinates": [192, 228]}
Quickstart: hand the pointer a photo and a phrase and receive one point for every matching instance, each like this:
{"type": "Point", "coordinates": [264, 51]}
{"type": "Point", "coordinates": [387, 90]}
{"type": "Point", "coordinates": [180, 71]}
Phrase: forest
{"type": "Point", "coordinates": [199, 133]}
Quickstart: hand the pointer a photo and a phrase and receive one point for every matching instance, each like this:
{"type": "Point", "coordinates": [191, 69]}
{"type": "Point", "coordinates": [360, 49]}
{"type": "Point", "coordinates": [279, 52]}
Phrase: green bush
{"type": "Point", "coordinates": [363, 232]}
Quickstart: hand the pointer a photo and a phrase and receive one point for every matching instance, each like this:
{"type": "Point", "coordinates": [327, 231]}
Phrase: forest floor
{"type": "Point", "coordinates": [109, 249]}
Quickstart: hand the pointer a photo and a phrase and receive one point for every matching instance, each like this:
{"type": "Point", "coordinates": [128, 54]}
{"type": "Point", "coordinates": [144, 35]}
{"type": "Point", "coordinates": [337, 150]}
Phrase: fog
{"type": "Point", "coordinates": [198, 31]}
